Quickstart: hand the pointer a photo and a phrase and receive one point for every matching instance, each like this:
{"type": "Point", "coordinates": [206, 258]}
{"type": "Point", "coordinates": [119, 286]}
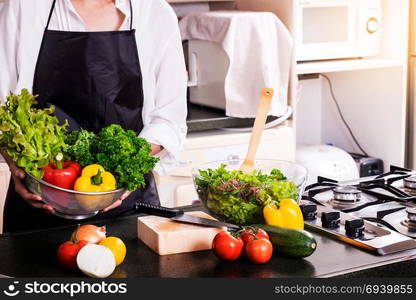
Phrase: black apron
{"type": "Point", "coordinates": [94, 80]}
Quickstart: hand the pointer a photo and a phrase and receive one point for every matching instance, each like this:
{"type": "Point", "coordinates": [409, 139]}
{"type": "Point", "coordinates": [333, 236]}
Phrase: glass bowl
{"type": "Point", "coordinates": [71, 204]}
{"type": "Point", "coordinates": [227, 206]}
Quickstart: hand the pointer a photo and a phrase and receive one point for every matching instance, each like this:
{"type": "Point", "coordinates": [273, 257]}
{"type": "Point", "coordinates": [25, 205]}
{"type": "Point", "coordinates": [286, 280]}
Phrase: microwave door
{"type": "Point", "coordinates": [328, 29]}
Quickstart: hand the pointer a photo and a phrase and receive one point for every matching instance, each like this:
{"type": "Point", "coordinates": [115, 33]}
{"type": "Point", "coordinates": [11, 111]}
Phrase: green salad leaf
{"type": "Point", "coordinates": [31, 136]}
{"type": "Point", "coordinates": [118, 151]}
{"type": "Point", "coordinates": [238, 197]}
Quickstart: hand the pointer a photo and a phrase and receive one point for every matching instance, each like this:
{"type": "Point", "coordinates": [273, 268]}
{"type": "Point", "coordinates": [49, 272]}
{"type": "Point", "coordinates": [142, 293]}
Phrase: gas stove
{"type": "Point", "coordinates": [376, 213]}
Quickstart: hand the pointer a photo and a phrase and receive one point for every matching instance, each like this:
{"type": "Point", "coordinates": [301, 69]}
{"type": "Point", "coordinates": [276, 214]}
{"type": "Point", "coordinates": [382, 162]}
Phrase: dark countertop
{"type": "Point", "coordinates": [33, 254]}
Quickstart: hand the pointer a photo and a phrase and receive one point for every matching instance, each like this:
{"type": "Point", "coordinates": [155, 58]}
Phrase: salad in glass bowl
{"type": "Point", "coordinates": [238, 198]}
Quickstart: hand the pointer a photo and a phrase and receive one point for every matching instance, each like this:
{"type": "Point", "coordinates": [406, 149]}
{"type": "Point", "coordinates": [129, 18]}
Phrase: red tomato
{"type": "Point", "coordinates": [227, 247]}
{"type": "Point", "coordinates": [67, 253]}
{"type": "Point", "coordinates": [248, 235]}
{"type": "Point", "coordinates": [259, 251]}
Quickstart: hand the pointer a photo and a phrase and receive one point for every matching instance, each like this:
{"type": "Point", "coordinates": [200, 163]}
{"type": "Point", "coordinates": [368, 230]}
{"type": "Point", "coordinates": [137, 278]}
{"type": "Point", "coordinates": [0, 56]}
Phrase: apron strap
{"type": "Point", "coordinates": [131, 16]}
{"type": "Point", "coordinates": [50, 14]}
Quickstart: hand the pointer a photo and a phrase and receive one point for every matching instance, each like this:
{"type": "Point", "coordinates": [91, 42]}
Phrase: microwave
{"type": "Point", "coordinates": [334, 29]}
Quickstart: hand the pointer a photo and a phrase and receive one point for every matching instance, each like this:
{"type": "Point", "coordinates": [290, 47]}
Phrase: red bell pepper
{"type": "Point", "coordinates": [62, 174]}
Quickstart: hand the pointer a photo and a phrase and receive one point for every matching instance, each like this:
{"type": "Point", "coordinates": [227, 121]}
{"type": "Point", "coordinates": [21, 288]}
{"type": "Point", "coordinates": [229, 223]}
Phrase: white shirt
{"type": "Point", "coordinates": [22, 23]}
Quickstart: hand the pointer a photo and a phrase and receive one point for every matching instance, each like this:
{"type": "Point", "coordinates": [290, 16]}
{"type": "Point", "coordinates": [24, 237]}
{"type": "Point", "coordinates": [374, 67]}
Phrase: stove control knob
{"type": "Point", "coordinates": [309, 211]}
{"type": "Point", "coordinates": [354, 228]}
{"type": "Point", "coordinates": [330, 219]}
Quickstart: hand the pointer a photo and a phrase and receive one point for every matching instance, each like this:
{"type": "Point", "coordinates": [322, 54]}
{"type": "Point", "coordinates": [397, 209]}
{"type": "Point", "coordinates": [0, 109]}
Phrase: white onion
{"type": "Point", "coordinates": [96, 261]}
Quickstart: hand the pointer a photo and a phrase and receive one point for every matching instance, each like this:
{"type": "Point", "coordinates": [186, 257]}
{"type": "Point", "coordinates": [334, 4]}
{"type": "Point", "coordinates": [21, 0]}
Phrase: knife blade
{"type": "Point", "coordinates": [155, 210]}
{"type": "Point", "coordinates": [203, 221]}
{"type": "Point", "coordinates": [178, 215]}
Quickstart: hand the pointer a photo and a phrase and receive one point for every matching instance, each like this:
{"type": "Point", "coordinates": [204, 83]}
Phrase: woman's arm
{"type": "Point", "coordinates": [166, 124]}
{"type": "Point", "coordinates": [9, 43]}
{"type": "Point", "coordinates": [9, 37]}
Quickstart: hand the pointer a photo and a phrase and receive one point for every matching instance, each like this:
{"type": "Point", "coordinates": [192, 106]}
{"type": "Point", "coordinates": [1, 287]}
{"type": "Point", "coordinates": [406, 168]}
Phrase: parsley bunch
{"type": "Point", "coordinates": [118, 151]}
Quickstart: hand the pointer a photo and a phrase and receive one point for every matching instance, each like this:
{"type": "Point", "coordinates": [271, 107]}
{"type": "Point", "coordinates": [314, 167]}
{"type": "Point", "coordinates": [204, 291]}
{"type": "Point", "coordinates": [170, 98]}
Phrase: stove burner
{"type": "Point", "coordinates": [410, 183]}
{"type": "Point", "coordinates": [410, 222]}
{"type": "Point", "coordinates": [349, 194]}
{"type": "Point", "coordinates": [411, 214]}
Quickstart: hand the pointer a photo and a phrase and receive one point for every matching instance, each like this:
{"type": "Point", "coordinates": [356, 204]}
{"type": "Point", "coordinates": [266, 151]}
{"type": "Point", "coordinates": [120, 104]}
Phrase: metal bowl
{"type": "Point", "coordinates": [71, 204]}
{"type": "Point", "coordinates": [294, 173]}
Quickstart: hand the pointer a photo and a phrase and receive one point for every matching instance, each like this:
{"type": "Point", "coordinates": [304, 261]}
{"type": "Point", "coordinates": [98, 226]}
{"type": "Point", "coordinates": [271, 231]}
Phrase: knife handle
{"type": "Point", "coordinates": [155, 210]}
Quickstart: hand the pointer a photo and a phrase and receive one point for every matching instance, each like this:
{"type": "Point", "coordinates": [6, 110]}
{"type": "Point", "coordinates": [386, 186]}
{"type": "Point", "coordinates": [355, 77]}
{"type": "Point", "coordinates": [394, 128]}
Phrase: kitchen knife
{"type": "Point", "coordinates": [178, 215]}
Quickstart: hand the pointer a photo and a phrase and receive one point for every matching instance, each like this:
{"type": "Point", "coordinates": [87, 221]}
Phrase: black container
{"type": "Point", "coordinates": [368, 166]}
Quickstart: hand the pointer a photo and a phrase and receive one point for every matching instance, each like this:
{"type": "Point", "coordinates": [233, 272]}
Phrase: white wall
{"type": "Point", "coordinates": [372, 104]}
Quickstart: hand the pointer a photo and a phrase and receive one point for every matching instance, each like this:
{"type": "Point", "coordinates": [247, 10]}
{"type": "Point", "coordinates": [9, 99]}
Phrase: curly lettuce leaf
{"type": "Point", "coordinates": [31, 136]}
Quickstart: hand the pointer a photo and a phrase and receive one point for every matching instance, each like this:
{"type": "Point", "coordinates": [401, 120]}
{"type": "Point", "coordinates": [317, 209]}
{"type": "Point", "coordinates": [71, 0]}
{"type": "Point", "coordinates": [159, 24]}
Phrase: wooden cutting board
{"type": "Point", "coordinates": [165, 237]}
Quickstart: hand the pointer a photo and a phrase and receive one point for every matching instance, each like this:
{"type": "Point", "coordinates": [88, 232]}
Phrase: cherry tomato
{"type": "Point", "coordinates": [259, 251]}
{"type": "Point", "coordinates": [249, 233]}
{"type": "Point", "coordinates": [227, 247]}
{"type": "Point", "coordinates": [67, 253]}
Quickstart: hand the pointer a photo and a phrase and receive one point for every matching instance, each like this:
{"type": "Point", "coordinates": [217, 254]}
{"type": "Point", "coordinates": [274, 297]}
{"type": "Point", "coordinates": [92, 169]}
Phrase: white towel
{"type": "Point", "coordinates": [259, 48]}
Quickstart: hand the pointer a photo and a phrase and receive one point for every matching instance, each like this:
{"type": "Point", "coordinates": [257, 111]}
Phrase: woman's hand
{"type": "Point", "coordinates": [155, 150]}
{"type": "Point", "coordinates": [18, 176]}
{"type": "Point", "coordinates": [117, 203]}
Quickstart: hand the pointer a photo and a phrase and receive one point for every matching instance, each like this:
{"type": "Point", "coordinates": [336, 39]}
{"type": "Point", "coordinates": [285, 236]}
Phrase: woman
{"type": "Point", "coordinates": [99, 62]}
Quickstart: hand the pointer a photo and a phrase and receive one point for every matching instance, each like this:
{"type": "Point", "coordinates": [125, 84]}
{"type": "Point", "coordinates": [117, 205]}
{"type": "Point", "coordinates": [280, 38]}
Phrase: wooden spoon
{"type": "Point", "coordinates": [259, 122]}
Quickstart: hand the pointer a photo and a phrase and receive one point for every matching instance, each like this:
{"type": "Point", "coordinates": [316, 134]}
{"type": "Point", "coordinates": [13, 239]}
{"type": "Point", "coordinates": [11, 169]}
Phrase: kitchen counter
{"type": "Point", "coordinates": [33, 254]}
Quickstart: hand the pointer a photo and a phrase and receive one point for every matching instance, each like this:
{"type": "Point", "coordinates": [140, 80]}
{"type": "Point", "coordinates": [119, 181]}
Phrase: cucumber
{"type": "Point", "coordinates": [290, 242]}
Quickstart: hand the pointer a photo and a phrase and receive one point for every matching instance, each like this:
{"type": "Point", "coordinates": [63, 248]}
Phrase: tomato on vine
{"type": "Point", "coordinates": [250, 233]}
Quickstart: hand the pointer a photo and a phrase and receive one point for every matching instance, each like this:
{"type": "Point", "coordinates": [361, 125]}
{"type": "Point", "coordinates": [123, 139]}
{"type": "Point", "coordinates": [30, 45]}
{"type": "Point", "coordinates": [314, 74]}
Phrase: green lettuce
{"type": "Point", "coordinates": [31, 136]}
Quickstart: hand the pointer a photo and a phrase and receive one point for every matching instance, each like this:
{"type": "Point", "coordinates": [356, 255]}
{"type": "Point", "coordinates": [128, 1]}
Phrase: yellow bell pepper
{"type": "Point", "coordinates": [288, 215]}
{"type": "Point", "coordinates": [95, 179]}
